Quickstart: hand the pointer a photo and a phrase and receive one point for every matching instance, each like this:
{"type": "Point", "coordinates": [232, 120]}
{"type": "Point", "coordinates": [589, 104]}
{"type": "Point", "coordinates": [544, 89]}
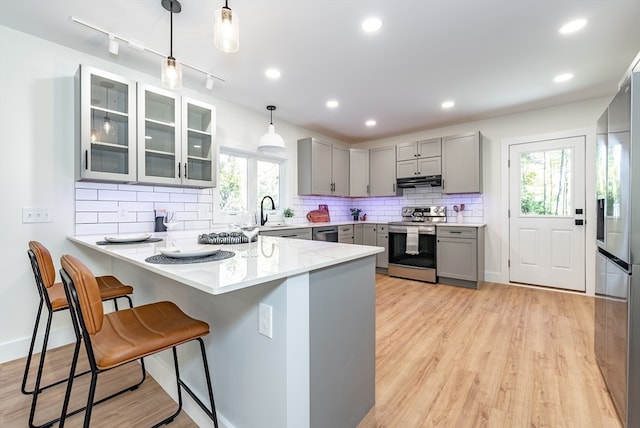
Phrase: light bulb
{"type": "Point", "coordinates": [171, 73]}
{"type": "Point", "coordinates": [107, 126]}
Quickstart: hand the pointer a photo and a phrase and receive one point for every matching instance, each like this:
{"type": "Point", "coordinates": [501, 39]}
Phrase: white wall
{"type": "Point", "coordinates": [37, 164]}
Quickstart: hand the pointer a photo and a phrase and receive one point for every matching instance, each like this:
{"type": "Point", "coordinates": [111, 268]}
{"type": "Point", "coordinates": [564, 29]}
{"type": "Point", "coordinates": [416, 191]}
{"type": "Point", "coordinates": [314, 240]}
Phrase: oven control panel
{"type": "Point", "coordinates": [432, 214]}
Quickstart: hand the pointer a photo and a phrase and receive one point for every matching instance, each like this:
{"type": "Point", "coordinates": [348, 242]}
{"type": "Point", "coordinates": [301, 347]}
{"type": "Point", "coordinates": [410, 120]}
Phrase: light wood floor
{"type": "Point", "coordinates": [501, 356]}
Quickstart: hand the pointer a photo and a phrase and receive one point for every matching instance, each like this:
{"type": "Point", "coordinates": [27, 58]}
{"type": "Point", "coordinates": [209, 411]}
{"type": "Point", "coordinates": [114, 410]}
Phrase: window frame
{"type": "Point", "coordinates": [226, 217]}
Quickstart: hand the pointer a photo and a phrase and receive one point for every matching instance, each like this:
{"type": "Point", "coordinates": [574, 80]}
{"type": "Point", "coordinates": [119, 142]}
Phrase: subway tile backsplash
{"type": "Point", "coordinates": [105, 208]}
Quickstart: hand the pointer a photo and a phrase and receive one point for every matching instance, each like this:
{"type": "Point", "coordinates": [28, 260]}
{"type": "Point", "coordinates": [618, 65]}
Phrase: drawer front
{"type": "Point", "coordinates": [382, 228]}
{"type": "Point", "coordinates": [457, 232]}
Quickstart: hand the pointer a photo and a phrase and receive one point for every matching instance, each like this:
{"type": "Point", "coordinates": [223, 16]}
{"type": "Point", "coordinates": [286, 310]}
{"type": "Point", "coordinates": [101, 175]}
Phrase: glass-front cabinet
{"type": "Point", "coordinates": [198, 154]}
{"type": "Point", "coordinates": [175, 139]}
{"type": "Point", "coordinates": [107, 132]}
{"type": "Point", "coordinates": [158, 136]}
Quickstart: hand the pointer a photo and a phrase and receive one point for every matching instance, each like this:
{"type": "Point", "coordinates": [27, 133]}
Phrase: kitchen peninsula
{"type": "Point", "coordinates": [320, 298]}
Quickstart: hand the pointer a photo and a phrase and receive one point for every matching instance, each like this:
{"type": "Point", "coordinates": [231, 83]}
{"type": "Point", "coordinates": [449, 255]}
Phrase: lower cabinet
{"type": "Point", "coordinates": [376, 235]}
{"type": "Point", "coordinates": [345, 234]}
{"type": "Point", "coordinates": [460, 255]}
{"type": "Point", "coordinates": [297, 233]}
{"type": "Point", "coordinates": [357, 234]}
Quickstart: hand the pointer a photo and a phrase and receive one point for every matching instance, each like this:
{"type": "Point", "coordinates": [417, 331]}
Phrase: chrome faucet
{"type": "Point", "coordinates": [264, 218]}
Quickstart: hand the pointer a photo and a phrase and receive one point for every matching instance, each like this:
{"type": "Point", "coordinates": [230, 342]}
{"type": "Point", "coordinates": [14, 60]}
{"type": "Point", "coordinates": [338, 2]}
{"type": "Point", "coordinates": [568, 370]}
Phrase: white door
{"type": "Point", "coordinates": [546, 216]}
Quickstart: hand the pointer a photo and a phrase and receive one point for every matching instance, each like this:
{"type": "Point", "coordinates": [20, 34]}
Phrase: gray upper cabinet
{"type": "Point", "coordinates": [462, 163]}
{"type": "Point", "coordinates": [176, 137]}
{"type": "Point", "coordinates": [382, 171]}
{"type": "Point", "coordinates": [106, 135]}
{"type": "Point", "coordinates": [323, 168]}
{"type": "Point", "coordinates": [198, 143]}
{"type": "Point", "coordinates": [419, 158]}
{"type": "Point", "coordinates": [159, 136]}
{"type": "Point", "coordinates": [358, 172]}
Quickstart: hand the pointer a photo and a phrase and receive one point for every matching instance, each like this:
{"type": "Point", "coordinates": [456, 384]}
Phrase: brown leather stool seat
{"type": "Point", "coordinates": [52, 295]}
{"type": "Point", "coordinates": [123, 336]}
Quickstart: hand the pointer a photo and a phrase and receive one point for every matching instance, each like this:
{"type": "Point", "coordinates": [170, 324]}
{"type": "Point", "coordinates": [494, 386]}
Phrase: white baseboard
{"type": "Point", "coordinates": [493, 276]}
{"type": "Point", "coordinates": [19, 348]}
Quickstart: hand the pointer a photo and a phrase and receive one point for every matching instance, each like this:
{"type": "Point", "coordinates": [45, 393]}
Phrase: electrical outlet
{"type": "Point", "coordinates": [122, 213]}
{"type": "Point", "coordinates": [37, 215]}
{"type": "Point", "coordinates": [265, 320]}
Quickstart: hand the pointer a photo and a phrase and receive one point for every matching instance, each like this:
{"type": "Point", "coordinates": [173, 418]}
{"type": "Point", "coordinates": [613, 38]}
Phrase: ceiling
{"type": "Point", "coordinates": [492, 57]}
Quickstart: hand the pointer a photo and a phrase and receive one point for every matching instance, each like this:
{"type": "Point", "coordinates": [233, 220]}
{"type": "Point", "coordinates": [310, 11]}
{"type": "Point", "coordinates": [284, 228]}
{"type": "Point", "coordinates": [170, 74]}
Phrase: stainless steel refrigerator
{"type": "Point", "coordinates": [617, 307]}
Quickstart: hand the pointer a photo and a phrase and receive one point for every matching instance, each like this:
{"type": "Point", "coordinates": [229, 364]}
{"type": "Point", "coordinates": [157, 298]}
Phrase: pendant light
{"type": "Point", "coordinates": [107, 125]}
{"type": "Point", "coordinates": [271, 142]}
{"type": "Point", "coordinates": [226, 30]}
{"type": "Point", "coordinates": [171, 69]}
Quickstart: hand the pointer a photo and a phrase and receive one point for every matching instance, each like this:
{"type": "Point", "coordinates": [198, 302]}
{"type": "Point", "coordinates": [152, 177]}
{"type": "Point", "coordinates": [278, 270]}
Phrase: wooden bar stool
{"type": "Point", "coordinates": [53, 297]}
{"type": "Point", "coordinates": [120, 337]}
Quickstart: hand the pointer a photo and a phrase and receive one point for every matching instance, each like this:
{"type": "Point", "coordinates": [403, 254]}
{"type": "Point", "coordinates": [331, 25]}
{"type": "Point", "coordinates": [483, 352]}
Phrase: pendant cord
{"type": "Point", "coordinates": [171, 35]}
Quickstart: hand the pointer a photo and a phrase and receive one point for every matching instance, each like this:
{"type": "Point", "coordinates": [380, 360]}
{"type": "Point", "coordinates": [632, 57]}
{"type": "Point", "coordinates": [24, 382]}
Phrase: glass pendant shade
{"type": "Point", "coordinates": [226, 30]}
{"type": "Point", "coordinates": [171, 73]}
{"type": "Point", "coordinates": [107, 126]}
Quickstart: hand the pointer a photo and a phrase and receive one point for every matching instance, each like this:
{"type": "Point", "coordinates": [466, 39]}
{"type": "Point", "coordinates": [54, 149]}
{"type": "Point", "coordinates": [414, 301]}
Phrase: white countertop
{"type": "Point", "coordinates": [277, 258]}
{"type": "Point", "coordinates": [462, 224]}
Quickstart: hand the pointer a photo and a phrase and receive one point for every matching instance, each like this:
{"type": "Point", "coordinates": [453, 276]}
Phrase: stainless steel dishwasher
{"type": "Point", "coordinates": [325, 233]}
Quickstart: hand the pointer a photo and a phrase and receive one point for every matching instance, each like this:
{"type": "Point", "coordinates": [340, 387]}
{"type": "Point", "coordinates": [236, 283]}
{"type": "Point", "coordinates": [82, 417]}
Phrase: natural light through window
{"type": "Point", "coordinates": [244, 179]}
{"type": "Point", "coordinates": [545, 183]}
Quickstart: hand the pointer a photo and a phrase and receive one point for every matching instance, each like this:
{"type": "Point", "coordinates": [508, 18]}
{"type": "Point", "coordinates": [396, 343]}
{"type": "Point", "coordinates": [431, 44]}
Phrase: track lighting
{"type": "Point", "coordinates": [114, 46]}
{"type": "Point", "coordinates": [140, 47]}
{"type": "Point", "coordinates": [209, 84]}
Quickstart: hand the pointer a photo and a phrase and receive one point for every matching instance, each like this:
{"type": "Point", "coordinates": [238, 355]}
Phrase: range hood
{"type": "Point", "coordinates": [424, 181]}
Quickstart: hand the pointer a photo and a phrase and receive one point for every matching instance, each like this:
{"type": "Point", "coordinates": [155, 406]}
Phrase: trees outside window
{"type": "Point", "coordinates": [244, 179]}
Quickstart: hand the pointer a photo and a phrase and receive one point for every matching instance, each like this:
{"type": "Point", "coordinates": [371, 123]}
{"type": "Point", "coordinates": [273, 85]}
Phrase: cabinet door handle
{"type": "Point", "coordinates": [456, 231]}
{"type": "Point", "coordinates": [179, 176]}
{"type": "Point", "coordinates": [185, 170]}
{"type": "Point", "coordinates": [394, 187]}
{"type": "Point", "coordinates": [86, 159]}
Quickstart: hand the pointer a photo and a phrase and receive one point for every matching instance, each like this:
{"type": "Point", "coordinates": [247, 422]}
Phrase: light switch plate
{"type": "Point", "coordinates": [37, 215]}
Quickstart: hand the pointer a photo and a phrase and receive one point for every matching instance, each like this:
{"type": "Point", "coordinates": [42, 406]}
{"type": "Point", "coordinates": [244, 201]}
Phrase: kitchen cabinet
{"type": "Point", "coordinates": [175, 139]}
{"type": "Point", "coordinates": [462, 163]}
{"type": "Point", "coordinates": [382, 240]}
{"type": "Point", "coordinates": [377, 235]}
{"type": "Point", "coordinates": [106, 135]}
{"type": "Point", "coordinates": [382, 171]}
{"type": "Point", "coordinates": [323, 168]}
{"type": "Point", "coordinates": [357, 234]}
{"type": "Point", "coordinates": [358, 172]}
{"type": "Point", "coordinates": [295, 233]}
{"type": "Point", "coordinates": [421, 158]}
{"type": "Point", "coordinates": [345, 234]}
{"type": "Point", "coordinates": [460, 255]}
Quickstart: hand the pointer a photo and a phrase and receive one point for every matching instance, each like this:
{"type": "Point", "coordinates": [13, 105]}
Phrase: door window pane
{"type": "Point", "coordinates": [545, 184]}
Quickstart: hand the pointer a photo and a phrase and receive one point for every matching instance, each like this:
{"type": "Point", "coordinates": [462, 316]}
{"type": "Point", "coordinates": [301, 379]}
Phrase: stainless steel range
{"type": "Point", "coordinates": [412, 243]}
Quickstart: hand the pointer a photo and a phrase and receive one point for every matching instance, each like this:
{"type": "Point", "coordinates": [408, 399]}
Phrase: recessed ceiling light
{"type": "Point", "coordinates": [573, 26]}
{"type": "Point", "coordinates": [371, 25]}
{"type": "Point", "coordinates": [370, 123]}
{"type": "Point", "coordinates": [563, 77]}
{"type": "Point", "coordinates": [272, 73]}
{"type": "Point", "coordinates": [332, 104]}
{"type": "Point", "coordinates": [447, 104]}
